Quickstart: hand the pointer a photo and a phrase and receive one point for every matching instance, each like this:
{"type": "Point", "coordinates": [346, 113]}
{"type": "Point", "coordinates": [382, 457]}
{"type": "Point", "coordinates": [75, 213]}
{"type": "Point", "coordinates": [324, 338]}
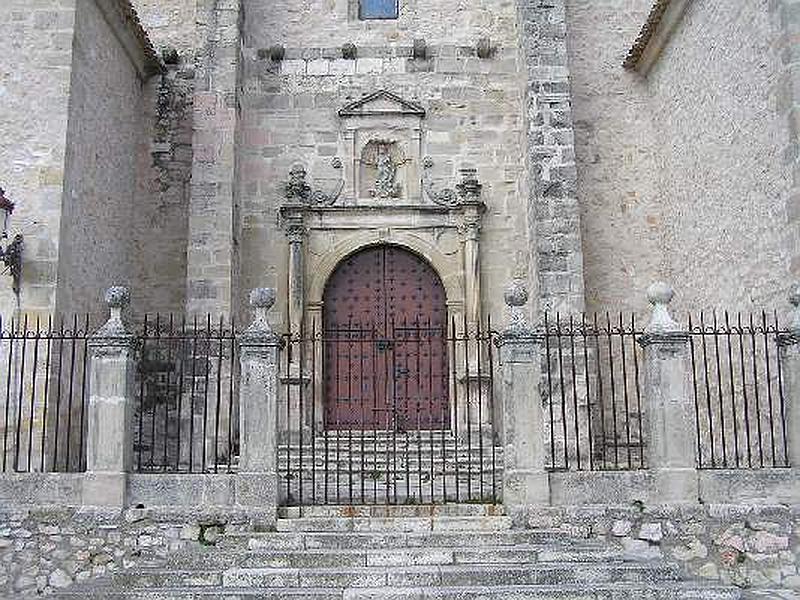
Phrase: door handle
{"type": "Point", "coordinates": [383, 345]}
{"type": "Point", "coordinates": [401, 371]}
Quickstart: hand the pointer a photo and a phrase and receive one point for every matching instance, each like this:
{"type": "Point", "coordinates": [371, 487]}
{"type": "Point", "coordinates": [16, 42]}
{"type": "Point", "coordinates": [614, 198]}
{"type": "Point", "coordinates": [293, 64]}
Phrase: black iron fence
{"type": "Point", "coordinates": [737, 382]}
{"type": "Point", "coordinates": [410, 414]}
{"type": "Point", "coordinates": [592, 393]}
{"type": "Point", "coordinates": [401, 416]}
{"type": "Point", "coordinates": [44, 392]}
{"type": "Point", "coordinates": [186, 410]}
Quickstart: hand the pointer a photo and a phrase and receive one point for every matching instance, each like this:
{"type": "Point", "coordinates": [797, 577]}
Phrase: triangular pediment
{"type": "Point", "coordinates": [381, 103]}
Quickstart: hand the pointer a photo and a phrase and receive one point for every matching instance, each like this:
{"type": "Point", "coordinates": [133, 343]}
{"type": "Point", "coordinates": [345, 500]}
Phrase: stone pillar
{"type": "Point", "coordinates": [469, 190]}
{"type": "Point", "coordinates": [109, 439]}
{"type": "Point", "coordinates": [671, 445]}
{"type": "Point", "coordinates": [789, 344]}
{"type": "Point", "coordinates": [526, 483]}
{"type": "Point", "coordinates": [257, 480]}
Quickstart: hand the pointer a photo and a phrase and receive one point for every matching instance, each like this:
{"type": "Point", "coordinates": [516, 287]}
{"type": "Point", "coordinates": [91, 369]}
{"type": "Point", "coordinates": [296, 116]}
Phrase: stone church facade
{"type": "Point", "coordinates": [382, 268]}
{"type": "Point", "coordinates": [596, 178]}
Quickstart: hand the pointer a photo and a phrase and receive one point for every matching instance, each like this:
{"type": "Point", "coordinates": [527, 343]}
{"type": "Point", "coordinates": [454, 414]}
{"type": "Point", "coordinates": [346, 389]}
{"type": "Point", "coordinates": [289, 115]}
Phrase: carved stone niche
{"type": "Point", "coordinates": [383, 140]}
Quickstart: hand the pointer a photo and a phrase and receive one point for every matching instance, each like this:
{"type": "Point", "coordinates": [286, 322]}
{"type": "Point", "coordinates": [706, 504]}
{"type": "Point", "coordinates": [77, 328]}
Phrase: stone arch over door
{"type": "Point", "coordinates": [385, 363]}
{"type": "Point", "coordinates": [449, 267]}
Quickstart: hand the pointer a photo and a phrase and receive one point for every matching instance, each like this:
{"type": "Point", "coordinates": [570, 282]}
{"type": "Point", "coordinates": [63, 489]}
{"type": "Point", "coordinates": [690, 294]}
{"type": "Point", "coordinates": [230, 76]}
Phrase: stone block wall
{"type": "Point", "coordinates": [684, 174]}
{"type": "Point", "coordinates": [47, 548]}
{"type": "Point", "coordinates": [36, 45]}
{"type": "Point", "coordinates": [789, 110]}
{"type": "Point", "coordinates": [99, 200]}
{"type": "Point", "coordinates": [170, 24]}
{"type": "Point", "coordinates": [751, 547]}
{"type": "Point", "coordinates": [164, 173]}
{"type": "Point", "coordinates": [722, 167]}
{"type": "Point", "coordinates": [553, 214]}
{"type": "Point", "coordinates": [615, 153]}
{"type": "Point", "coordinates": [289, 115]}
{"type": "Point", "coordinates": [211, 248]}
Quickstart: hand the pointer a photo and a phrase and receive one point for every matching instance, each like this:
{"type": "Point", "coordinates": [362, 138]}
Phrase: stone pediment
{"type": "Point", "coordinates": [381, 103]}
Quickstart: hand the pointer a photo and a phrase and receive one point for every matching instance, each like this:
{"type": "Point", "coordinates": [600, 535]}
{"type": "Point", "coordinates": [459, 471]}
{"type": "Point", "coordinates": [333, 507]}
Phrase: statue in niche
{"type": "Point", "coordinates": [381, 160]}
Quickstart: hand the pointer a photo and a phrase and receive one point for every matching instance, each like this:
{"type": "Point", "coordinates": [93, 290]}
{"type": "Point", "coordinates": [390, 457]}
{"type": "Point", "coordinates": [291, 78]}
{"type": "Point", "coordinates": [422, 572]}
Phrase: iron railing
{"type": "Point", "coordinates": [44, 392]}
{"type": "Point", "coordinates": [409, 416]}
{"type": "Point", "coordinates": [186, 410]}
{"type": "Point", "coordinates": [592, 393]}
{"type": "Point", "coordinates": [737, 382]}
{"type": "Point", "coordinates": [401, 416]}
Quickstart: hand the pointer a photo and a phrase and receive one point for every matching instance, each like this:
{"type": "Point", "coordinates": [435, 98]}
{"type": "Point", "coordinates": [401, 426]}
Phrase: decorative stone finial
{"type": "Point", "coordinates": [117, 298]}
{"type": "Point", "coordinates": [794, 300]}
{"type": "Point", "coordinates": [349, 51]}
{"type": "Point", "coordinates": [484, 48]}
{"type": "Point", "coordinates": [299, 192]}
{"type": "Point", "coordinates": [420, 49]}
{"type": "Point", "coordinates": [469, 188]}
{"type": "Point", "coordinates": [516, 297]}
{"type": "Point", "coordinates": [660, 294]}
{"type": "Point", "coordinates": [516, 294]}
{"type": "Point", "coordinates": [262, 300]}
{"type": "Point", "coordinates": [297, 189]}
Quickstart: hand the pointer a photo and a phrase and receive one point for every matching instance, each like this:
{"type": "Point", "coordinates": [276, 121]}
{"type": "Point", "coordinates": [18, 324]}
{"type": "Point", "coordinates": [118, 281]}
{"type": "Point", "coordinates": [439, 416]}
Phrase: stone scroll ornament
{"type": "Point", "coordinates": [467, 190]}
{"type": "Point", "coordinates": [298, 191]}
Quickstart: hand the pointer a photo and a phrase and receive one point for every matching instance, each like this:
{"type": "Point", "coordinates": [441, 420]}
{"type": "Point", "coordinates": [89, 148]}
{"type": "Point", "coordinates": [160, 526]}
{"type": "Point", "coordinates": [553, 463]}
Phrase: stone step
{"type": "Point", "coordinates": [401, 525]}
{"type": "Point", "coordinates": [403, 576]}
{"type": "Point", "coordinates": [404, 557]}
{"type": "Point", "coordinates": [615, 591]}
{"type": "Point", "coordinates": [382, 510]}
{"type": "Point", "coordinates": [377, 540]}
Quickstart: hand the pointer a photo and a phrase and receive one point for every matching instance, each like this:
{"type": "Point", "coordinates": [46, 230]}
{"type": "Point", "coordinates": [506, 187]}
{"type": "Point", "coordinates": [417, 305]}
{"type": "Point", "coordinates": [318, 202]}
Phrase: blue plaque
{"type": "Point", "coordinates": [378, 9]}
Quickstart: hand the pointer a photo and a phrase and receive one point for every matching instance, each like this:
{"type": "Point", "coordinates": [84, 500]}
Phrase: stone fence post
{"type": "Point", "coordinates": [257, 480]}
{"type": "Point", "coordinates": [671, 447]}
{"type": "Point", "coordinates": [526, 483]}
{"type": "Point", "coordinates": [789, 348]}
{"type": "Point", "coordinates": [109, 442]}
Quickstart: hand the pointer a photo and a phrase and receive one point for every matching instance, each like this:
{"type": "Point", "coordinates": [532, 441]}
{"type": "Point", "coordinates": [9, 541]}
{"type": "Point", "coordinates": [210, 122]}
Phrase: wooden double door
{"type": "Point", "coordinates": [385, 345]}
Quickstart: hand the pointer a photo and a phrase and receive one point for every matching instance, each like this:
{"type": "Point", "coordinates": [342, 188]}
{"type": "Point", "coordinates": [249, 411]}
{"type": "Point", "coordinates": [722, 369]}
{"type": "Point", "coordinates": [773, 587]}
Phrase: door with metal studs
{"type": "Point", "coordinates": [385, 343]}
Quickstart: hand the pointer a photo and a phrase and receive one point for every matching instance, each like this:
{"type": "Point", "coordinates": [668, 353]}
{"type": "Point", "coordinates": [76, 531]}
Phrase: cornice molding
{"type": "Point", "coordinates": [655, 34]}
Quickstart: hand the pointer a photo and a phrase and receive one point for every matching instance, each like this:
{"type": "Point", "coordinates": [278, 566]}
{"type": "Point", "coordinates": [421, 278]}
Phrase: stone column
{"type": "Point", "coordinates": [469, 190]}
{"type": "Point", "coordinates": [789, 344]}
{"type": "Point", "coordinates": [109, 439]}
{"type": "Point", "coordinates": [526, 484]}
{"type": "Point", "coordinates": [671, 445]}
{"type": "Point", "coordinates": [257, 480]}
{"type": "Point", "coordinates": [298, 195]}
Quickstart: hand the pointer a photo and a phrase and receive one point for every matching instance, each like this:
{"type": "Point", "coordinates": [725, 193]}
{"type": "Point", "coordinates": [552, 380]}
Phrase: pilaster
{"type": "Point", "coordinates": [211, 258]}
{"type": "Point", "coordinates": [109, 439]}
{"type": "Point", "coordinates": [789, 347]}
{"type": "Point", "coordinates": [525, 480]}
{"type": "Point", "coordinates": [671, 447]}
{"type": "Point", "coordinates": [257, 480]}
{"type": "Point", "coordinates": [554, 230]}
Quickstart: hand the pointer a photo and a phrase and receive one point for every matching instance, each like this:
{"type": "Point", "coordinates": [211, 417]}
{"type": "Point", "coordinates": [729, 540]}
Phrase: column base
{"type": "Point", "coordinates": [104, 489]}
{"type": "Point", "coordinates": [523, 491]}
{"type": "Point", "coordinates": [677, 485]}
{"type": "Point", "coordinates": [259, 491]}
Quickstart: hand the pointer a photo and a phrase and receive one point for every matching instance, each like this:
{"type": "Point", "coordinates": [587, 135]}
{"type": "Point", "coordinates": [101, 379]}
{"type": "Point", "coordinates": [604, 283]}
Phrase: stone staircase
{"type": "Point", "coordinates": [394, 468]}
{"type": "Point", "coordinates": [454, 552]}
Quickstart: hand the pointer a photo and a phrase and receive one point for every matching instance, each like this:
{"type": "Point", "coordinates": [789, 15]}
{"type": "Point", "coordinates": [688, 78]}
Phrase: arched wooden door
{"type": "Point", "coordinates": [385, 343]}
